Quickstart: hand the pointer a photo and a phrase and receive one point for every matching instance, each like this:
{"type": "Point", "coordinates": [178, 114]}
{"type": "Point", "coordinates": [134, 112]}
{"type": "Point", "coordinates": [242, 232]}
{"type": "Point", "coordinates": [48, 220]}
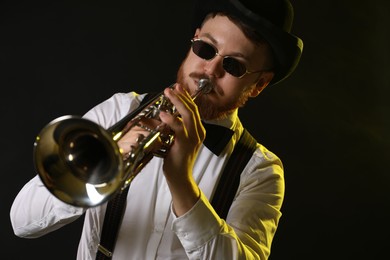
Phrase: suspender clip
{"type": "Point", "coordinates": [104, 251]}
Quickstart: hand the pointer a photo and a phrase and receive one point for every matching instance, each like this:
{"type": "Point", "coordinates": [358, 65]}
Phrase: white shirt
{"type": "Point", "coordinates": [150, 229]}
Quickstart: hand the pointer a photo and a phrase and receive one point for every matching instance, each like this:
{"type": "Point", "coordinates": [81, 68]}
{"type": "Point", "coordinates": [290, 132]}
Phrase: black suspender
{"type": "Point", "coordinates": [112, 220]}
{"type": "Point", "coordinates": [114, 213]}
{"type": "Point", "coordinates": [230, 179]}
{"type": "Point", "coordinates": [222, 200]}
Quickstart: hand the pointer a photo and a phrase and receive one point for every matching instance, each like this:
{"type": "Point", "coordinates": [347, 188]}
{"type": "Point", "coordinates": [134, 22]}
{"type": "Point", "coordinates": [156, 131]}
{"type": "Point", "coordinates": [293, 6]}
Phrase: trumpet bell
{"type": "Point", "coordinates": [81, 163]}
{"type": "Point", "coordinates": [78, 161]}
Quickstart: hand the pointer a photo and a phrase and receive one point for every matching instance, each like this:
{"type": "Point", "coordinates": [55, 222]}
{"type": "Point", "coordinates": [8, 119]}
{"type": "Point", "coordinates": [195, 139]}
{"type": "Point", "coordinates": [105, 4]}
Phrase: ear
{"type": "Point", "coordinates": [196, 32]}
{"type": "Point", "coordinates": [262, 82]}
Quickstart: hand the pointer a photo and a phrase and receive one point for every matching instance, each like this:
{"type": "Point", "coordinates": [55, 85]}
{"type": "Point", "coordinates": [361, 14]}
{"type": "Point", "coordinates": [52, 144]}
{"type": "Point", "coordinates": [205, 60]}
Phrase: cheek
{"type": "Point", "coordinates": [192, 63]}
{"type": "Point", "coordinates": [229, 89]}
{"type": "Point", "coordinates": [235, 95]}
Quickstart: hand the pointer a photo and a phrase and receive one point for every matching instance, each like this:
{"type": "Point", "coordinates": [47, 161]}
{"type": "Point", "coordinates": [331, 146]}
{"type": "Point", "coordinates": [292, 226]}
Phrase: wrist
{"type": "Point", "coordinates": [184, 196]}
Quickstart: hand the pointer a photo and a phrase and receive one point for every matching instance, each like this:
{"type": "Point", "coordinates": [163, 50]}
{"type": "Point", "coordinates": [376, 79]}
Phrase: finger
{"type": "Point", "coordinates": [172, 121]}
{"type": "Point", "coordinates": [187, 109]}
{"type": "Point", "coordinates": [134, 136]}
{"type": "Point", "coordinates": [186, 97]}
{"type": "Point", "coordinates": [182, 104]}
{"type": "Point", "coordinates": [193, 109]}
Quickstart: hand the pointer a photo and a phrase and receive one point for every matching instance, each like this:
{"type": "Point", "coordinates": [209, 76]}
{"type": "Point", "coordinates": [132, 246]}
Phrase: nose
{"type": "Point", "coordinates": [214, 66]}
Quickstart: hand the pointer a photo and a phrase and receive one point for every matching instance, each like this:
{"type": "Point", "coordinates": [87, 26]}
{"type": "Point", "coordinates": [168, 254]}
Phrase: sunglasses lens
{"type": "Point", "coordinates": [207, 52]}
{"type": "Point", "coordinates": [203, 50]}
{"type": "Point", "coordinates": [233, 67]}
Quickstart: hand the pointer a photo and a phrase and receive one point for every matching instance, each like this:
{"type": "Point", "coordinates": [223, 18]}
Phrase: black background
{"type": "Point", "coordinates": [329, 122]}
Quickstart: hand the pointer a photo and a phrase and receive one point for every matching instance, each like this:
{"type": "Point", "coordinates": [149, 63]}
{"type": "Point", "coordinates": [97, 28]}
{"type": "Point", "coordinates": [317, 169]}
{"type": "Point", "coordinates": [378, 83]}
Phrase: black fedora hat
{"type": "Point", "coordinates": [272, 19]}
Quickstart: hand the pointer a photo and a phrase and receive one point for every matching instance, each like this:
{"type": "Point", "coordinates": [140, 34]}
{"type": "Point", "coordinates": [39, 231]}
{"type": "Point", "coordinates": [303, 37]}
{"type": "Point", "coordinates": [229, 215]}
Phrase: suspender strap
{"type": "Point", "coordinates": [230, 179]}
{"type": "Point", "coordinates": [112, 220]}
{"type": "Point", "coordinates": [114, 215]}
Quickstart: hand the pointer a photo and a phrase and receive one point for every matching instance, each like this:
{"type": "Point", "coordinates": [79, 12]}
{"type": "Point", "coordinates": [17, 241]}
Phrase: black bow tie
{"type": "Point", "coordinates": [217, 137]}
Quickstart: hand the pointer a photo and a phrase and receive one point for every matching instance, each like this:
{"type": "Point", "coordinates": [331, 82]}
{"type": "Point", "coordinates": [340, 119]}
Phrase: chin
{"type": "Point", "coordinates": [208, 111]}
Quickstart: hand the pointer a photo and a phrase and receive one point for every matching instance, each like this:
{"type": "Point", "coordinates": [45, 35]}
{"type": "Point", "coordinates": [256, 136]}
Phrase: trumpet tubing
{"type": "Point", "coordinates": [81, 163]}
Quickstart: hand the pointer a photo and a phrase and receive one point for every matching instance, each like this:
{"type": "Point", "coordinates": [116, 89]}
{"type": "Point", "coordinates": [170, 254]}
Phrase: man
{"type": "Point", "coordinates": [240, 47]}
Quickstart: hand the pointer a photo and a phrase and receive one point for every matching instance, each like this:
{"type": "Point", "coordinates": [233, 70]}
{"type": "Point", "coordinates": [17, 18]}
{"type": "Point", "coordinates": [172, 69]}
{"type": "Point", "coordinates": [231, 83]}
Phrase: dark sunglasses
{"type": "Point", "coordinates": [231, 65]}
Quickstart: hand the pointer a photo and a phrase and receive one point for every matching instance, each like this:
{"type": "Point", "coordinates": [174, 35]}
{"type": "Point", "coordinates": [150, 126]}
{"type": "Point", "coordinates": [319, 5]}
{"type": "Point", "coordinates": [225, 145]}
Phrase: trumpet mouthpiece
{"type": "Point", "coordinates": [204, 86]}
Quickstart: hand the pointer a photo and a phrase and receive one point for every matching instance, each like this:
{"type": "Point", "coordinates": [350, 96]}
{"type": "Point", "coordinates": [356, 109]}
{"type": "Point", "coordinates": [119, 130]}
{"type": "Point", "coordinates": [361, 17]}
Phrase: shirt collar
{"type": "Point", "coordinates": [219, 132]}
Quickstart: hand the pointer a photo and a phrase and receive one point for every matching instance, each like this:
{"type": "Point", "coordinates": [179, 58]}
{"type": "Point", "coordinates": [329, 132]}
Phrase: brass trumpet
{"type": "Point", "coordinates": [81, 163]}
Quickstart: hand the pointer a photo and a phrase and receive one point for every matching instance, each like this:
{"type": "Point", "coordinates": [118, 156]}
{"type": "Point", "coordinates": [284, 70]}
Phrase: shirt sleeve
{"type": "Point", "coordinates": [35, 211]}
{"type": "Point", "coordinates": [252, 220]}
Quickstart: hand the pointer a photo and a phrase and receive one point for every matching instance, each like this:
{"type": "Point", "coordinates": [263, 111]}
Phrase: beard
{"type": "Point", "coordinates": [210, 110]}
